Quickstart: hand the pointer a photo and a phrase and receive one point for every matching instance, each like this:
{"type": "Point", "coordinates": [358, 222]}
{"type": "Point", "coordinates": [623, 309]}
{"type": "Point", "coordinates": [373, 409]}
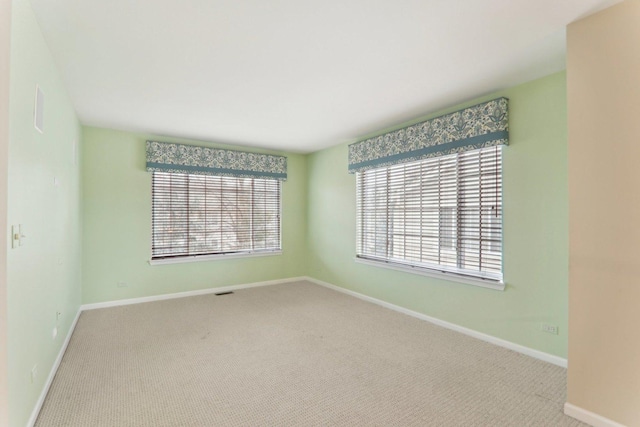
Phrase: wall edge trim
{"type": "Point", "coordinates": [161, 297]}
{"type": "Point", "coordinates": [589, 417]}
{"type": "Point", "coordinates": [537, 354]}
{"type": "Point", "coordinates": [52, 372]}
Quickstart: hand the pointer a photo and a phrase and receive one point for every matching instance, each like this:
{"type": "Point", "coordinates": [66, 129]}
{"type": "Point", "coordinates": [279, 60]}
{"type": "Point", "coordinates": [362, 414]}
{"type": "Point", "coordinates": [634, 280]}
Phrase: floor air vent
{"type": "Point", "coordinates": [223, 293]}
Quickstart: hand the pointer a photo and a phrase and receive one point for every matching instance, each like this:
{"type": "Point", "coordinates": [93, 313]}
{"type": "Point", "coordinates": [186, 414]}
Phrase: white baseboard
{"type": "Point", "coordinates": [589, 417]}
{"type": "Point", "coordinates": [52, 373]}
{"type": "Point", "coordinates": [556, 360]}
{"type": "Point", "coordinates": [140, 300]}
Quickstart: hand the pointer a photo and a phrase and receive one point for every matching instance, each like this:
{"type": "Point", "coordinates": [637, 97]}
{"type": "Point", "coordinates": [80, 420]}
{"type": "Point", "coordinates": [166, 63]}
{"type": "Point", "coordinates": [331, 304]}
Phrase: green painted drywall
{"type": "Point", "coordinates": [117, 226]}
{"type": "Point", "coordinates": [535, 231]}
{"type": "Point", "coordinates": [44, 273]}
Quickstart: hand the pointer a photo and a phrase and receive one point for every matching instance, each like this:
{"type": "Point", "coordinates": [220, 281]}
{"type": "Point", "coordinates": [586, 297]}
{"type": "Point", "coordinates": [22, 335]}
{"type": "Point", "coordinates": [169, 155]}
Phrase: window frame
{"type": "Point", "coordinates": [244, 253]}
{"type": "Point", "coordinates": [431, 270]}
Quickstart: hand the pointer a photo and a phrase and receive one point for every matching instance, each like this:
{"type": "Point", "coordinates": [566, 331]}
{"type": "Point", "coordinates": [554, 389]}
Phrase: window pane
{"type": "Point", "coordinates": [442, 213]}
{"type": "Point", "coordinates": [203, 215]}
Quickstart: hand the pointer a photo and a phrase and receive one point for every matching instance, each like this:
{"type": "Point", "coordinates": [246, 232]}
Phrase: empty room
{"type": "Point", "coordinates": [338, 213]}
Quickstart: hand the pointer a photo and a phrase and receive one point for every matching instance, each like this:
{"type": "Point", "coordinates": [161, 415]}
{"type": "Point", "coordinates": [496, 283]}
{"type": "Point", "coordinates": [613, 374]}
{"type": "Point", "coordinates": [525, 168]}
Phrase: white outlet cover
{"type": "Point", "coordinates": [55, 333]}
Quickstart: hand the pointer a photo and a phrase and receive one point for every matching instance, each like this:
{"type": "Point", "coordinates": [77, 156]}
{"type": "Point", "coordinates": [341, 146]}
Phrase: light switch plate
{"type": "Point", "coordinates": [15, 236]}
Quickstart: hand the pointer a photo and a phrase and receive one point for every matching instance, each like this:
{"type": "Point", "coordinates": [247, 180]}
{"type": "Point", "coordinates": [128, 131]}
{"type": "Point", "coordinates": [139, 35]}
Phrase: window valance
{"type": "Point", "coordinates": [180, 158]}
{"type": "Point", "coordinates": [482, 125]}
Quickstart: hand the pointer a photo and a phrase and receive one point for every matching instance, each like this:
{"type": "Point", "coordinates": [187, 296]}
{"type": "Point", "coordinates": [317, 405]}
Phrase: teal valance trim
{"type": "Point", "coordinates": [181, 158]}
{"type": "Point", "coordinates": [479, 126]}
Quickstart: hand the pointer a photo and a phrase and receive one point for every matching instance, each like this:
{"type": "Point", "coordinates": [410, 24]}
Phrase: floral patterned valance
{"type": "Point", "coordinates": [482, 125]}
{"type": "Point", "coordinates": [180, 158]}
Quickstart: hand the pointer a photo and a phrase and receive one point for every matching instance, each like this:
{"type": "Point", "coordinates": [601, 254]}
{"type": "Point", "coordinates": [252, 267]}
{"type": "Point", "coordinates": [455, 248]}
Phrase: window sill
{"type": "Point", "coordinates": [217, 257]}
{"type": "Point", "coordinates": [485, 283]}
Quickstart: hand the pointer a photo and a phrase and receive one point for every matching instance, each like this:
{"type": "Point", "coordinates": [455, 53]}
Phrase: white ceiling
{"type": "Point", "coordinates": [295, 75]}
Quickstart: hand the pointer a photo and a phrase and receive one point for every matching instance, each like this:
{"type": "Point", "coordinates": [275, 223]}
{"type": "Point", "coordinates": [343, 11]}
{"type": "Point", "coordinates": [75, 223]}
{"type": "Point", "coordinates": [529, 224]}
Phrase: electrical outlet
{"type": "Point", "coordinates": [123, 285]}
{"type": "Point", "coordinates": [34, 373]}
{"type": "Point", "coordinates": [55, 332]}
{"type": "Point", "coordinates": [551, 329]}
{"type": "Point", "coordinates": [58, 315]}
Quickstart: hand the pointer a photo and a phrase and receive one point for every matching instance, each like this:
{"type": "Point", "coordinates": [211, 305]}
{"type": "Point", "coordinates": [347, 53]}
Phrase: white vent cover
{"type": "Point", "coordinates": [38, 114]}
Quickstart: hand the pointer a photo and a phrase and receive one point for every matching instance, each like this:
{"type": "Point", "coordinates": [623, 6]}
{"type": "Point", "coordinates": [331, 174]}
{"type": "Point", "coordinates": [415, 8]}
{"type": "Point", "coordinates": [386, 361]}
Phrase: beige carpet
{"type": "Point", "coordinates": [291, 355]}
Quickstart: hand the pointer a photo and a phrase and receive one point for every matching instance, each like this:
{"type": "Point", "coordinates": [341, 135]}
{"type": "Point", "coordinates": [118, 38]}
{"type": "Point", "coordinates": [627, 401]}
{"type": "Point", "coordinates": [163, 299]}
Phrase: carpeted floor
{"type": "Point", "coordinates": [293, 354]}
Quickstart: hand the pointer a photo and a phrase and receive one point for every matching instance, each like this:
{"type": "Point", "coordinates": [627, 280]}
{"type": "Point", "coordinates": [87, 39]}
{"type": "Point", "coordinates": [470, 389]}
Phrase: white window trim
{"type": "Point", "coordinates": [422, 271]}
{"type": "Point", "coordinates": [216, 257]}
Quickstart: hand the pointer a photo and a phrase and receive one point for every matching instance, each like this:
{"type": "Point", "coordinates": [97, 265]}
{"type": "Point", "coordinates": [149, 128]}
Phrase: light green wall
{"type": "Point", "coordinates": [117, 226]}
{"type": "Point", "coordinates": [44, 274]}
{"type": "Point", "coordinates": [535, 231]}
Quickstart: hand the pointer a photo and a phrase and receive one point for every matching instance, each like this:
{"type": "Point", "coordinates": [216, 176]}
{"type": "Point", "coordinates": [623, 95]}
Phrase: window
{"type": "Point", "coordinates": [442, 213]}
{"type": "Point", "coordinates": [200, 215]}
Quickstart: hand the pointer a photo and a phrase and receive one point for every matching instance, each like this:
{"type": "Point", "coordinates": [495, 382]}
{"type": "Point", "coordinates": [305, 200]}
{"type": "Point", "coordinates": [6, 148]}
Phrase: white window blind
{"type": "Point", "coordinates": [442, 213]}
{"type": "Point", "coordinates": [206, 215]}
